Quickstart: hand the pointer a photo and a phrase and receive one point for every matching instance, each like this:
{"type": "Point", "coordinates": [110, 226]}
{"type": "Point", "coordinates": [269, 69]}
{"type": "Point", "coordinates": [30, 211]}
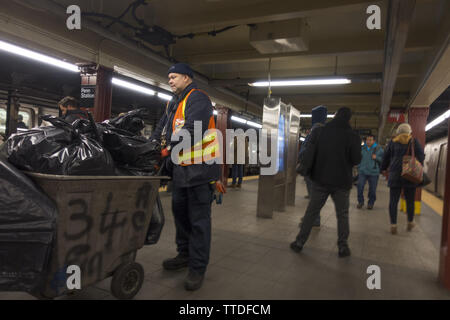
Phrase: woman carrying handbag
{"type": "Point", "coordinates": [403, 158]}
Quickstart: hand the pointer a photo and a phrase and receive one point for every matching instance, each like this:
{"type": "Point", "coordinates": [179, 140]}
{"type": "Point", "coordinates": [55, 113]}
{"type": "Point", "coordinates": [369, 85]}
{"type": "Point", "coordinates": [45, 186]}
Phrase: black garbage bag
{"type": "Point", "coordinates": [58, 149]}
{"type": "Point", "coordinates": [156, 223]}
{"type": "Point", "coordinates": [27, 231]}
{"type": "Point", "coordinates": [133, 154]}
{"type": "Point", "coordinates": [131, 121]}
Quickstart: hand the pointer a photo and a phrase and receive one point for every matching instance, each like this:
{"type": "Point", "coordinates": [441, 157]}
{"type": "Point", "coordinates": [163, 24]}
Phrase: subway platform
{"type": "Point", "coordinates": [251, 258]}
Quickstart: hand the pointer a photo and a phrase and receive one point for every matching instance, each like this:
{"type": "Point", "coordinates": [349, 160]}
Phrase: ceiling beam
{"type": "Point", "coordinates": [341, 47]}
{"type": "Point", "coordinates": [400, 14]}
{"type": "Point", "coordinates": [262, 12]}
{"type": "Point", "coordinates": [434, 76]}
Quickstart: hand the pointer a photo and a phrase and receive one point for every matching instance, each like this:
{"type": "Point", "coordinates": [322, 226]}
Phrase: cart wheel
{"type": "Point", "coordinates": [127, 280]}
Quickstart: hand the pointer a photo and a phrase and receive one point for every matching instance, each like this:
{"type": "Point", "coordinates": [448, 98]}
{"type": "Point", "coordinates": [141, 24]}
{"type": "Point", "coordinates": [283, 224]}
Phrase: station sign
{"type": "Point", "coordinates": [396, 116]}
{"type": "Point", "coordinates": [87, 97]}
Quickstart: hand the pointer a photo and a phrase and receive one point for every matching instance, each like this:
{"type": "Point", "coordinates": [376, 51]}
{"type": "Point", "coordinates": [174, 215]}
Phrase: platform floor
{"type": "Point", "coordinates": [251, 259]}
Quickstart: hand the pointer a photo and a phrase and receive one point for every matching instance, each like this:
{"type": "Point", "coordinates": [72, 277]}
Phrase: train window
{"type": "Point", "coordinates": [24, 112]}
{"type": "Point", "coordinates": [2, 120]}
{"type": "Point", "coordinates": [26, 115]}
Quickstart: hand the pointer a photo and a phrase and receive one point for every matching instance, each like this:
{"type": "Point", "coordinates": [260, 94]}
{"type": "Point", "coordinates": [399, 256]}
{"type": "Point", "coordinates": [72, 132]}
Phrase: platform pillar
{"type": "Point", "coordinates": [96, 85]}
{"type": "Point", "coordinates": [444, 259]}
{"type": "Point", "coordinates": [12, 111]}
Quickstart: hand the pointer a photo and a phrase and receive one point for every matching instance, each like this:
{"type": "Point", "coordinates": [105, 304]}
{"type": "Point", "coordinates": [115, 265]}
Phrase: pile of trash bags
{"type": "Point", "coordinates": [28, 217]}
{"type": "Point", "coordinates": [113, 147]}
{"type": "Point", "coordinates": [27, 231]}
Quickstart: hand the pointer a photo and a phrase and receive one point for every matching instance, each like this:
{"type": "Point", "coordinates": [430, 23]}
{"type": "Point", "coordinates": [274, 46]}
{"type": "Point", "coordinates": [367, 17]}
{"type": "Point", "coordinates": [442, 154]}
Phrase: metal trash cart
{"type": "Point", "coordinates": [102, 222]}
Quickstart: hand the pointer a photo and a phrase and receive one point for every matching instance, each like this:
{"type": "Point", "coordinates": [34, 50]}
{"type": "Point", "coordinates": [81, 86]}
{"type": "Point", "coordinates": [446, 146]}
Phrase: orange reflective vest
{"type": "Point", "coordinates": [204, 150]}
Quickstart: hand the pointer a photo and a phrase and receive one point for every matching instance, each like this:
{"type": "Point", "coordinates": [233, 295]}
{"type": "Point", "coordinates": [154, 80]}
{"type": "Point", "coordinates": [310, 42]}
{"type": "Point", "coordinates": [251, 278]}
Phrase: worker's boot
{"type": "Point", "coordinates": [179, 262]}
{"type": "Point", "coordinates": [194, 280]}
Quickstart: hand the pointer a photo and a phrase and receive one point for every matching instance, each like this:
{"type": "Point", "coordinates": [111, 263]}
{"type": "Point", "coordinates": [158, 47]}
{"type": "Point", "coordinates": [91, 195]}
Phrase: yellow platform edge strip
{"type": "Point", "coordinates": [433, 202]}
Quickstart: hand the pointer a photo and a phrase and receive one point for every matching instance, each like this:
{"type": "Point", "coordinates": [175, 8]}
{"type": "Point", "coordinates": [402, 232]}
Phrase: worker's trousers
{"type": "Point", "coordinates": [192, 212]}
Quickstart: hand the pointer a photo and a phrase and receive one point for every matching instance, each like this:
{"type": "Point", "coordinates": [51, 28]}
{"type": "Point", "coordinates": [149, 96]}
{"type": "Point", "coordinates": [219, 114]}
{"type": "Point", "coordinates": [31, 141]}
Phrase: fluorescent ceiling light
{"type": "Point", "coordinates": [164, 96]}
{"type": "Point", "coordinates": [238, 119]}
{"type": "Point", "coordinates": [254, 124]}
{"type": "Point", "coordinates": [302, 139]}
{"type": "Point", "coordinates": [438, 120]}
{"type": "Point", "coordinates": [132, 86]}
{"type": "Point", "coordinates": [37, 56]}
{"type": "Point", "coordinates": [310, 115]}
{"type": "Point", "coordinates": [311, 82]}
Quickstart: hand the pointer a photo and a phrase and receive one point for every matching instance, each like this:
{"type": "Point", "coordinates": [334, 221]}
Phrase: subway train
{"type": "Point", "coordinates": [435, 165]}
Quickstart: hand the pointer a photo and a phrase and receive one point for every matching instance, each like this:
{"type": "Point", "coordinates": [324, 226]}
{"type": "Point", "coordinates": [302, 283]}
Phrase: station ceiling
{"type": "Point", "coordinates": [213, 36]}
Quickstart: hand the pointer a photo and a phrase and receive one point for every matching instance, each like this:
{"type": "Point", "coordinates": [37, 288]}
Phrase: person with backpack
{"type": "Point", "coordinates": [318, 119]}
{"type": "Point", "coordinates": [369, 171]}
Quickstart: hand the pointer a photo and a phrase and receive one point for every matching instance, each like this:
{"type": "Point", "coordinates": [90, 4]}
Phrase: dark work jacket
{"type": "Point", "coordinates": [198, 108]}
{"type": "Point", "coordinates": [338, 150]}
{"type": "Point", "coordinates": [72, 115]}
{"type": "Point", "coordinates": [393, 158]}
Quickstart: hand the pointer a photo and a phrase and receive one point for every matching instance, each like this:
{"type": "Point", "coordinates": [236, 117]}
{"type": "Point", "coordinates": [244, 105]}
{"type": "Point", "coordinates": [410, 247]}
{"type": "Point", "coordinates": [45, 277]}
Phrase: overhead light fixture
{"type": "Point", "coordinates": [132, 86]}
{"type": "Point", "coordinates": [310, 82]}
{"type": "Point", "coordinates": [37, 56]}
{"type": "Point", "coordinates": [302, 139]}
{"type": "Point", "coordinates": [164, 96]}
{"type": "Point", "coordinates": [237, 119]}
{"type": "Point", "coordinates": [438, 120]}
{"type": "Point", "coordinates": [215, 112]}
{"type": "Point", "coordinates": [310, 115]}
{"type": "Point", "coordinates": [254, 124]}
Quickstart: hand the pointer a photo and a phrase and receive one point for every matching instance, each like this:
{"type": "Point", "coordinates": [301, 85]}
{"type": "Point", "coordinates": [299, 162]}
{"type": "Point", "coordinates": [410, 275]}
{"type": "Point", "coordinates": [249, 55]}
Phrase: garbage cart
{"type": "Point", "coordinates": [102, 221]}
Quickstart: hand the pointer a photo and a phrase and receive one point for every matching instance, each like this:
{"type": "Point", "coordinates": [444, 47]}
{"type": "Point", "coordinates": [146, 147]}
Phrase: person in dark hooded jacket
{"type": "Point", "coordinates": [338, 149]}
{"type": "Point", "coordinates": [318, 119]}
{"type": "Point", "coordinates": [392, 161]}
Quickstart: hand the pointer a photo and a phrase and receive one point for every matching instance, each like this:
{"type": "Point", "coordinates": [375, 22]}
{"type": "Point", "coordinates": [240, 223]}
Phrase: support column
{"type": "Point", "coordinates": [96, 91]}
{"type": "Point", "coordinates": [444, 259]}
{"type": "Point", "coordinates": [103, 94]}
{"type": "Point", "coordinates": [417, 118]}
{"type": "Point", "coordinates": [223, 115]}
{"type": "Point", "coordinates": [12, 111]}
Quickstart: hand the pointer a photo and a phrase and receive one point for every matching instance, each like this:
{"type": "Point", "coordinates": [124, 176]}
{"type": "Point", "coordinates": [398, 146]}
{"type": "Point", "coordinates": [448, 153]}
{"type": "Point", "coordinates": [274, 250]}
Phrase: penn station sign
{"type": "Point", "coordinates": [87, 96]}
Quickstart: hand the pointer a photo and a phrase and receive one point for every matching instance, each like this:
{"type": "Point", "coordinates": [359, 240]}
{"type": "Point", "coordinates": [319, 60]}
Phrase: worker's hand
{"type": "Point", "coordinates": [165, 153]}
{"type": "Point", "coordinates": [374, 157]}
{"type": "Point", "coordinates": [220, 187]}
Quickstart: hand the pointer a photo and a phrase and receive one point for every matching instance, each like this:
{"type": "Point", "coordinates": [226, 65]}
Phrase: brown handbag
{"type": "Point", "coordinates": [412, 169]}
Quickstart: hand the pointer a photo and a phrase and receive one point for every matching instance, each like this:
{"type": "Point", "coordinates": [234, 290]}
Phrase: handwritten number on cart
{"type": "Point", "coordinates": [82, 216]}
{"type": "Point", "coordinates": [110, 228]}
